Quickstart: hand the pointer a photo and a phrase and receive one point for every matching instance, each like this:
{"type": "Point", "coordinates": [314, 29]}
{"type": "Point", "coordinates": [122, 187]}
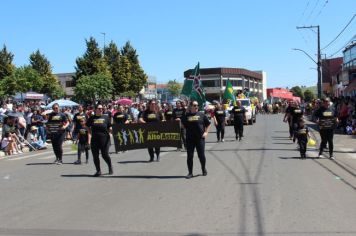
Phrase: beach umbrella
{"type": "Point", "coordinates": [62, 103]}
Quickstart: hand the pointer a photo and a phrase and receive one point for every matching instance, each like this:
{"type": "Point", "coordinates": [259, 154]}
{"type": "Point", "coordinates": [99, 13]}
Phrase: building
{"type": "Point", "coordinates": [67, 83]}
{"type": "Point", "coordinates": [214, 81]}
{"type": "Point", "coordinates": [150, 90]}
{"type": "Point", "coordinates": [278, 94]}
{"type": "Point", "coordinates": [330, 68]}
{"type": "Point", "coordinates": [349, 69]}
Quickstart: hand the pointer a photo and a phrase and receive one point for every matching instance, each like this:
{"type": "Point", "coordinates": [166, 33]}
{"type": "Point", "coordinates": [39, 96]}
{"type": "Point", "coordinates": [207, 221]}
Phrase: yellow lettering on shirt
{"type": "Point", "coordinates": [120, 116]}
{"type": "Point", "coordinates": [56, 117]}
{"type": "Point", "coordinates": [151, 116]}
{"type": "Point", "coordinates": [237, 110]}
{"type": "Point", "coordinates": [298, 111]}
{"type": "Point", "coordinates": [82, 131]}
{"type": "Point", "coordinates": [193, 118]}
{"type": "Point", "coordinates": [99, 121]}
{"type": "Point", "coordinates": [220, 112]}
{"type": "Point", "coordinates": [327, 113]}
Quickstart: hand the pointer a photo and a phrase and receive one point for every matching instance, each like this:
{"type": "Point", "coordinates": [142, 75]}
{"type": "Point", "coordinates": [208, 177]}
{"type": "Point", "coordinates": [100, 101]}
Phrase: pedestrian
{"type": "Point", "coordinates": [302, 135]}
{"type": "Point", "coordinates": [327, 123]}
{"type": "Point", "coordinates": [288, 118]}
{"type": "Point", "coordinates": [178, 113]}
{"type": "Point", "coordinates": [56, 126]}
{"type": "Point", "coordinates": [239, 118]}
{"type": "Point", "coordinates": [152, 114]}
{"type": "Point", "coordinates": [100, 129]}
{"type": "Point", "coordinates": [81, 115]}
{"type": "Point", "coordinates": [197, 127]}
{"type": "Point", "coordinates": [296, 114]}
{"type": "Point", "coordinates": [219, 121]}
{"type": "Point", "coordinates": [83, 141]}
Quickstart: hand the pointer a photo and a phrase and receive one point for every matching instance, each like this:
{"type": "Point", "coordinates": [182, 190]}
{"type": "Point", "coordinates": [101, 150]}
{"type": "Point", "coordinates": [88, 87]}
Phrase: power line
{"type": "Point", "coordinates": [322, 8]}
{"type": "Point", "coordinates": [352, 39]}
{"type": "Point", "coordinates": [311, 13]}
{"type": "Point", "coordinates": [340, 32]}
{"type": "Point", "coordinates": [306, 7]}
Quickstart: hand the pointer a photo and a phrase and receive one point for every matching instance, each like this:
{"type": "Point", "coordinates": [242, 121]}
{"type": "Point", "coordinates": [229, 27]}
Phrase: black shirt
{"type": "Point", "coordinates": [55, 122]}
{"type": "Point", "coordinates": [83, 135]}
{"type": "Point", "coordinates": [77, 118]}
{"type": "Point", "coordinates": [327, 119]}
{"type": "Point", "coordinates": [151, 116]}
{"type": "Point", "coordinates": [220, 116]}
{"type": "Point", "coordinates": [239, 113]}
{"type": "Point", "coordinates": [296, 114]}
{"type": "Point", "coordinates": [120, 117]}
{"type": "Point", "coordinates": [302, 132]}
{"type": "Point", "coordinates": [168, 115]}
{"type": "Point", "coordinates": [99, 125]}
{"type": "Point", "coordinates": [178, 113]}
{"type": "Point", "coordinates": [195, 124]}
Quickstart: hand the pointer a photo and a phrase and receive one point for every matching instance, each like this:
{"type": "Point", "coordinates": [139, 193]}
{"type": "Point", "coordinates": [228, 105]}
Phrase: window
{"type": "Point", "coordinates": [69, 83]}
{"type": "Point", "coordinates": [211, 83]}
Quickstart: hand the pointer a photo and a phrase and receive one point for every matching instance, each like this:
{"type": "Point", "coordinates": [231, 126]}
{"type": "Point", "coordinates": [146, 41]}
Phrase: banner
{"type": "Point", "coordinates": [146, 135]}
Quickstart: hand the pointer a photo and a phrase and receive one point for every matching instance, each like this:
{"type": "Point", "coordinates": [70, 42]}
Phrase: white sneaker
{"type": "Point", "coordinates": [20, 151]}
{"type": "Point", "coordinates": [320, 156]}
{"type": "Point", "coordinates": [222, 140]}
{"type": "Point", "coordinates": [332, 157]}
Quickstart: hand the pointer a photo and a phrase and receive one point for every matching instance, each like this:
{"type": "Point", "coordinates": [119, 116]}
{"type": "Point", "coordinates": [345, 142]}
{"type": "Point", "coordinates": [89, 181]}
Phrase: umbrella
{"type": "Point", "coordinates": [124, 101]}
{"type": "Point", "coordinates": [62, 103]}
{"type": "Point", "coordinates": [14, 114]}
{"type": "Point", "coordinates": [46, 112]}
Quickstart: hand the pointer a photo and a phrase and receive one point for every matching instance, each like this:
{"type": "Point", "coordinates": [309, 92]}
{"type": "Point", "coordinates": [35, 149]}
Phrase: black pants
{"type": "Point", "coordinates": [200, 146]}
{"type": "Point", "coordinates": [152, 152]}
{"type": "Point", "coordinates": [291, 132]}
{"type": "Point", "coordinates": [102, 144]}
{"type": "Point", "coordinates": [239, 128]}
{"type": "Point", "coordinates": [220, 131]}
{"type": "Point", "coordinates": [302, 141]}
{"type": "Point", "coordinates": [182, 137]}
{"type": "Point", "coordinates": [57, 142]}
{"type": "Point", "coordinates": [81, 148]}
{"type": "Point", "coordinates": [327, 136]}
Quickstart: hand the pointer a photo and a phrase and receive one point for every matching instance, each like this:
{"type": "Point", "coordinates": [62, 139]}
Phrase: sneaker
{"type": "Point", "coordinates": [332, 157]}
{"type": "Point", "coordinates": [20, 151]}
{"type": "Point", "coordinates": [189, 176]}
{"type": "Point", "coordinates": [205, 173]}
{"type": "Point", "coordinates": [158, 158]}
{"type": "Point", "coordinates": [236, 137]}
{"type": "Point", "coordinates": [97, 174]}
{"type": "Point", "coordinates": [222, 140]}
{"type": "Point", "coordinates": [77, 162]}
{"type": "Point", "coordinates": [56, 161]}
{"type": "Point", "coordinates": [240, 139]}
{"type": "Point", "coordinates": [320, 156]}
{"type": "Point", "coordinates": [59, 162]}
{"type": "Point", "coordinates": [15, 153]}
{"type": "Point", "coordinates": [218, 141]}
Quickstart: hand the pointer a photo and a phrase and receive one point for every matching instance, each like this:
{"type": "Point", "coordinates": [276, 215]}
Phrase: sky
{"type": "Point", "coordinates": [171, 36]}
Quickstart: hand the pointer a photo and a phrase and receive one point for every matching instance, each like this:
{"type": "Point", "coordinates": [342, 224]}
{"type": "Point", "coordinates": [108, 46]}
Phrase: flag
{"type": "Point", "coordinates": [192, 87]}
{"type": "Point", "coordinates": [229, 91]}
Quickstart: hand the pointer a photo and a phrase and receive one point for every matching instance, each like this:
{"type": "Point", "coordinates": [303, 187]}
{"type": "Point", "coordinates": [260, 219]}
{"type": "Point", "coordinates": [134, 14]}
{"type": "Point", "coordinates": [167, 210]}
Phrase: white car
{"type": "Point", "coordinates": [250, 111]}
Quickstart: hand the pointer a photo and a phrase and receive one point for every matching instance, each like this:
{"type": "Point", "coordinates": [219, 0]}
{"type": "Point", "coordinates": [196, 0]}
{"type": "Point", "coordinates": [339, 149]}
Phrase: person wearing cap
{"type": "Point", "coordinates": [56, 126]}
{"type": "Point", "coordinates": [36, 142]}
{"type": "Point", "coordinates": [100, 129]}
{"type": "Point", "coordinates": [197, 127]}
{"type": "Point", "coordinates": [327, 122]}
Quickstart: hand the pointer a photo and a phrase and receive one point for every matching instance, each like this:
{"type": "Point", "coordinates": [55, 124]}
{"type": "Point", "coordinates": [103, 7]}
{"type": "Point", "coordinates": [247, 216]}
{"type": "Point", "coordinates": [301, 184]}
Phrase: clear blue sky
{"type": "Point", "coordinates": [171, 36]}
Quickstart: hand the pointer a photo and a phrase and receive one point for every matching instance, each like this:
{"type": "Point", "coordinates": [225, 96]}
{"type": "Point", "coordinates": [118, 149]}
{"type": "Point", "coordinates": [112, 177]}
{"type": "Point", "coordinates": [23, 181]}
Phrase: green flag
{"type": "Point", "coordinates": [188, 82]}
{"type": "Point", "coordinates": [229, 91]}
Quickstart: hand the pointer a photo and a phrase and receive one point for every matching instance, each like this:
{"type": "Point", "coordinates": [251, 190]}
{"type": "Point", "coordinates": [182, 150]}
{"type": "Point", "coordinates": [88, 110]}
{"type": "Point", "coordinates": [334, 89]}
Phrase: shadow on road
{"type": "Point", "coordinates": [47, 163]}
{"type": "Point", "coordinates": [132, 162]}
{"type": "Point", "coordinates": [128, 176]}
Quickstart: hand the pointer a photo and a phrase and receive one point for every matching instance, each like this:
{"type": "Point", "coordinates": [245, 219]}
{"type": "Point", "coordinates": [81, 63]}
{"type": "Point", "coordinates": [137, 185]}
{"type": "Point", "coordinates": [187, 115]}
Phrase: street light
{"type": "Point", "coordinates": [318, 69]}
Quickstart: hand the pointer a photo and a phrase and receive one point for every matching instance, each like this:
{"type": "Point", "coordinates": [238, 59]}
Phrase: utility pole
{"type": "Point", "coordinates": [319, 57]}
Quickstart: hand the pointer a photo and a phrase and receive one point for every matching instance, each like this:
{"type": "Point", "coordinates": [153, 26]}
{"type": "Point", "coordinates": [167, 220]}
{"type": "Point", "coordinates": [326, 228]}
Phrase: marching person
{"type": "Point", "coordinates": [56, 126]}
{"type": "Point", "coordinates": [296, 115]}
{"type": "Point", "coordinates": [168, 113]}
{"type": "Point", "coordinates": [152, 114]}
{"type": "Point", "coordinates": [288, 118]}
{"type": "Point", "coordinates": [83, 140]}
{"type": "Point", "coordinates": [302, 135]}
{"type": "Point", "coordinates": [178, 113]}
{"type": "Point", "coordinates": [197, 127]}
{"type": "Point", "coordinates": [327, 123]}
{"type": "Point", "coordinates": [239, 118]}
{"type": "Point", "coordinates": [220, 121]}
{"type": "Point", "coordinates": [100, 129]}
{"type": "Point", "coordinates": [78, 117]}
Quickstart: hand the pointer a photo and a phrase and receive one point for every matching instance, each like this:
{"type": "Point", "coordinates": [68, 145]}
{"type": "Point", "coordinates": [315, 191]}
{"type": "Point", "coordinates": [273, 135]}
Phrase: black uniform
{"type": "Point", "coordinates": [168, 115]}
{"type": "Point", "coordinates": [151, 116]}
{"type": "Point", "coordinates": [83, 134]}
{"type": "Point", "coordinates": [54, 127]}
{"type": "Point", "coordinates": [239, 116]}
{"type": "Point", "coordinates": [179, 113]}
{"type": "Point", "coordinates": [195, 125]}
{"type": "Point", "coordinates": [327, 124]}
{"type": "Point", "coordinates": [296, 114]}
{"type": "Point", "coordinates": [301, 134]}
{"type": "Point", "coordinates": [120, 117]}
{"type": "Point", "coordinates": [289, 112]}
{"type": "Point", "coordinates": [100, 140]}
{"type": "Point", "coordinates": [220, 116]}
{"type": "Point", "coordinates": [76, 120]}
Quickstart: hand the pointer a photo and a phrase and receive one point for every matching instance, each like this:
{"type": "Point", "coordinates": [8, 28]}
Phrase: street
{"type": "Point", "coordinates": [258, 186]}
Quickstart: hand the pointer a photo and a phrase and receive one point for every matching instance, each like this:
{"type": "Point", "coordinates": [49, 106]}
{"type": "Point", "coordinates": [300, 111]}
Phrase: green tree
{"type": "Point", "coordinates": [119, 69]}
{"type": "Point", "coordinates": [93, 87]}
{"type": "Point", "coordinates": [174, 87]}
{"type": "Point", "coordinates": [23, 79]}
{"type": "Point", "coordinates": [138, 76]}
{"type": "Point", "coordinates": [6, 66]}
{"type": "Point", "coordinates": [308, 95]}
{"type": "Point", "coordinates": [297, 91]}
{"type": "Point", "coordinates": [41, 64]}
{"type": "Point", "coordinates": [92, 62]}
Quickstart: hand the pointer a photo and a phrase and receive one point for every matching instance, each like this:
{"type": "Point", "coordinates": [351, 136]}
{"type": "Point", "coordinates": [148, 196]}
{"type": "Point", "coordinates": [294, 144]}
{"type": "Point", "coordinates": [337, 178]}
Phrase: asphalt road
{"type": "Point", "coordinates": [257, 186]}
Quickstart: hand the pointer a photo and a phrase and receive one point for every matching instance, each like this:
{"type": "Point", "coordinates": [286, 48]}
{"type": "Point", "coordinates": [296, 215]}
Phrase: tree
{"type": "Point", "coordinates": [93, 87]}
{"type": "Point", "coordinates": [174, 87]}
{"type": "Point", "coordinates": [92, 62]}
{"type": "Point", "coordinates": [41, 64]}
{"type": "Point", "coordinates": [308, 95]}
{"type": "Point", "coordinates": [23, 79]}
{"type": "Point", "coordinates": [6, 66]}
{"type": "Point", "coordinates": [119, 68]}
{"type": "Point", "coordinates": [138, 76]}
{"type": "Point", "coordinates": [297, 91]}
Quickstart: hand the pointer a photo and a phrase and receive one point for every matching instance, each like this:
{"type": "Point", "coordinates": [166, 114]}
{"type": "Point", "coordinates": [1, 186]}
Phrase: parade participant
{"type": "Point", "coordinates": [100, 129]}
{"type": "Point", "coordinates": [239, 117]}
{"type": "Point", "coordinates": [83, 142]}
{"type": "Point", "coordinates": [178, 113]}
{"type": "Point", "coordinates": [77, 121]}
{"type": "Point", "coordinates": [120, 117]}
{"type": "Point", "coordinates": [168, 114]}
{"type": "Point", "coordinates": [56, 125]}
{"type": "Point", "coordinates": [327, 123]}
{"type": "Point", "coordinates": [152, 115]}
{"type": "Point", "coordinates": [288, 118]}
{"type": "Point", "coordinates": [302, 135]}
{"type": "Point", "coordinates": [197, 128]}
{"type": "Point", "coordinates": [296, 115]}
{"type": "Point", "coordinates": [220, 121]}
